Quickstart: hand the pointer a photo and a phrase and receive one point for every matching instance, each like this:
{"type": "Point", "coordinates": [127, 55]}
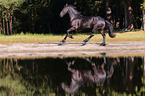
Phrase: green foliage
{"type": "Point", "coordinates": [143, 4]}
{"type": "Point", "coordinates": [13, 86]}
{"type": "Point", "coordinates": [8, 6]}
{"type": "Point", "coordinates": [8, 3]}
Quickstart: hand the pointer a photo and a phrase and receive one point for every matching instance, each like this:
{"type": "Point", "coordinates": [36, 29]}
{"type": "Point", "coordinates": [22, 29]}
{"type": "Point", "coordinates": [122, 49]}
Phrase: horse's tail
{"type": "Point", "coordinates": [110, 29]}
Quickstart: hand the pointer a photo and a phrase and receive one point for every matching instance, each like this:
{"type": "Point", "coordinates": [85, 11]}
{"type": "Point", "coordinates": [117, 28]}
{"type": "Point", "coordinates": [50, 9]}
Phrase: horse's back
{"type": "Point", "coordinates": [86, 21]}
{"type": "Point", "coordinates": [98, 18]}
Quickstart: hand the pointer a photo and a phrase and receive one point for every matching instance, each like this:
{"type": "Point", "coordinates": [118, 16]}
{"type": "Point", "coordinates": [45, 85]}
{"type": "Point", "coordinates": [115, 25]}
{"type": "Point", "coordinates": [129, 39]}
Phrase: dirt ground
{"type": "Point", "coordinates": [123, 48]}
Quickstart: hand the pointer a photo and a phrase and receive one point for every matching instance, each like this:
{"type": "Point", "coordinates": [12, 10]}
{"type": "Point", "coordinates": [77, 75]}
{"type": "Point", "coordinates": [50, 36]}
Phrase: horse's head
{"type": "Point", "coordinates": [64, 10]}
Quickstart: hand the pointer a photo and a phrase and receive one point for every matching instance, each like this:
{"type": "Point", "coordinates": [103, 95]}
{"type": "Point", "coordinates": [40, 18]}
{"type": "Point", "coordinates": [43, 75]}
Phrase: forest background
{"type": "Point", "coordinates": [42, 16]}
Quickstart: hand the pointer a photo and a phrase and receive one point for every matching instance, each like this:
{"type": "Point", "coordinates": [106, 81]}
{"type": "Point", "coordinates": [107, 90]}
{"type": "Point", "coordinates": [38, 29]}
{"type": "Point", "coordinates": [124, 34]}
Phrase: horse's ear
{"type": "Point", "coordinates": [66, 5]}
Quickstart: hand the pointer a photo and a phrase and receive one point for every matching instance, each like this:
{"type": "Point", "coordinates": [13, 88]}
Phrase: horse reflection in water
{"type": "Point", "coordinates": [79, 77]}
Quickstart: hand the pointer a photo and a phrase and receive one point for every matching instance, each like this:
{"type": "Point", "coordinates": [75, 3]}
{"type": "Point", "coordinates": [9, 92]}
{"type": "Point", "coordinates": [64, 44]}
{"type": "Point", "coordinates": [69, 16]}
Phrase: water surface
{"type": "Point", "coordinates": [74, 76]}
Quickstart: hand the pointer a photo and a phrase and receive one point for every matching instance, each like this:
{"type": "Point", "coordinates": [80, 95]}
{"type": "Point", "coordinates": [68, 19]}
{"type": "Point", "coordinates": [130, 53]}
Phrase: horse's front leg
{"type": "Point", "coordinates": [68, 35]}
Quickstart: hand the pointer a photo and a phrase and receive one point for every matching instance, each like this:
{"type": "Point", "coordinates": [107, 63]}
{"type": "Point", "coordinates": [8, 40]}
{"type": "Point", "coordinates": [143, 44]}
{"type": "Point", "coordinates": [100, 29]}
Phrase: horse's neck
{"type": "Point", "coordinates": [73, 14]}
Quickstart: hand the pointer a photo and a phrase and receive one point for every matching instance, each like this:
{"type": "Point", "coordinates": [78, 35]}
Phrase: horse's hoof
{"type": "Point", "coordinates": [62, 41]}
{"type": "Point", "coordinates": [71, 37]}
{"type": "Point", "coordinates": [85, 41]}
{"type": "Point", "coordinates": [102, 44]}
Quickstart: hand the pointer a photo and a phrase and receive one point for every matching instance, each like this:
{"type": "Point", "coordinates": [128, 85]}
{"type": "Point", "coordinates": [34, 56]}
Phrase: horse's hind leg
{"type": "Point", "coordinates": [94, 31]}
{"type": "Point", "coordinates": [104, 36]}
{"type": "Point", "coordinates": [86, 40]}
{"type": "Point", "coordinates": [64, 39]}
{"type": "Point", "coordinates": [68, 35]}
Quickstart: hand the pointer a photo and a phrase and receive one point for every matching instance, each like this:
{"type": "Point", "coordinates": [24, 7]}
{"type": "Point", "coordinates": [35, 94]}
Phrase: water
{"type": "Point", "coordinates": [74, 76]}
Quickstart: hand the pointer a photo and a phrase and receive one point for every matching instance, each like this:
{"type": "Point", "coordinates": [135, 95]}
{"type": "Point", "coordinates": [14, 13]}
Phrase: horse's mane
{"type": "Point", "coordinates": [72, 6]}
{"type": "Point", "coordinates": [74, 9]}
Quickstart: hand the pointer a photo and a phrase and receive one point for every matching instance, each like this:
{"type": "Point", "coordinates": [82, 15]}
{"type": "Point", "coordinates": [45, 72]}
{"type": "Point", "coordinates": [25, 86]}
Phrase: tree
{"type": "Point", "coordinates": [128, 15]}
{"type": "Point", "coordinates": [143, 10]}
{"type": "Point", "coordinates": [42, 16]}
{"type": "Point", "coordinates": [6, 20]}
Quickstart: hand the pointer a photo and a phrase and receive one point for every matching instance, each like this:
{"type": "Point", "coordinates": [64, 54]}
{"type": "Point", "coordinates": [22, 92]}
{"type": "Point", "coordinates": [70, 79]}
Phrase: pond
{"type": "Point", "coordinates": [73, 76]}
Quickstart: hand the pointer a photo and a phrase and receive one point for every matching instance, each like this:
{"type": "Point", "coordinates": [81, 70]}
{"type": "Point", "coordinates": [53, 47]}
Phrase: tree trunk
{"type": "Point", "coordinates": [1, 28]}
{"type": "Point", "coordinates": [4, 30]}
{"type": "Point", "coordinates": [143, 12]}
{"type": "Point", "coordinates": [116, 14]}
{"type": "Point", "coordinates": [108, 11]}
{"type": "Point", "coordinates": [7, 27]}
{"type": "Point", "coordinates": [129, 17]}
{"type": "Point", "coordinates": [126, 13]}
{"type": "Point", "coordinates": [11, 21]}
{"type": "Point", "coordinates": [144, 66]}
{"type": "Point", "coordinates": [16, 29]}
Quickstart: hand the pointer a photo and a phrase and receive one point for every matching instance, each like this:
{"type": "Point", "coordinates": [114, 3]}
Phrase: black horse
{"type": "Point", "coordinates": [78, 21]}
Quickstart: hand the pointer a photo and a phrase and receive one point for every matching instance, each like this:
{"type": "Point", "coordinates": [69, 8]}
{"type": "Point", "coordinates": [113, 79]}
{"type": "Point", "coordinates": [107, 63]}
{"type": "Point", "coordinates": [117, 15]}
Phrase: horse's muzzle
{"type": "Point", "coordinates": [60, 15]}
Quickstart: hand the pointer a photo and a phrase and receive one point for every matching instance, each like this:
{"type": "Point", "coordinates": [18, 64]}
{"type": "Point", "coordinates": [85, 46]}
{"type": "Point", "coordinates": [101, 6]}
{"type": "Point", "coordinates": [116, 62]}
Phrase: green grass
{"type": "Point", "coordinates": [42, 38]}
